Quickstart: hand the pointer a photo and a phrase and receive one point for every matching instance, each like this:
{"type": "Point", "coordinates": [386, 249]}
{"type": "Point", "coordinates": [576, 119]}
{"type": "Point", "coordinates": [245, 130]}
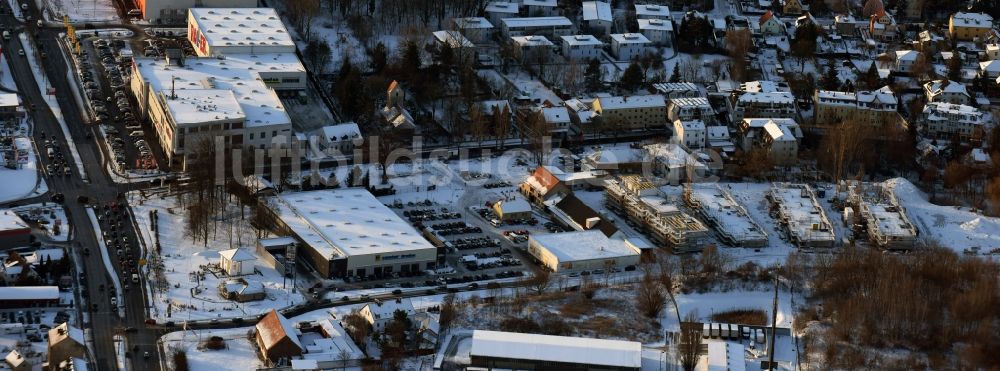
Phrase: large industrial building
{"type": "Point", "coordinates": [234, 96]}
{"type": "Point", "coordinates": [227, 31]}
{"type": "Point", "coordinates": [496, 350]}
{"type": "Point", "coordinates": [582, 251]}
{"type": "Point", "coordinates": [174, 11]}
{"type": "Point", "coordinates": [348, 232]}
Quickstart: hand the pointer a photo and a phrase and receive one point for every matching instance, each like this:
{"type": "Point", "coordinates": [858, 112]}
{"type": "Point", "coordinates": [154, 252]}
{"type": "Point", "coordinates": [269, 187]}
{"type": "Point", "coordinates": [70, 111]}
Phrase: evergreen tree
{"type": "Point", "coordinates": [871, 78]}
{"type": "Point", "coordinates": [632, 78]}
{"type": "Point", "coordinates": [676, 75]}
{"type": "Point", "coordinates": [594, 76]}
{"type": "Point", "coordinates": [411, 58]}
{"type": "Point", "coordinates": [955, 66]}
{"type": "Point", "coordinates": [380, 57]}
{"type": "Point", "coordinates": [830, 81]}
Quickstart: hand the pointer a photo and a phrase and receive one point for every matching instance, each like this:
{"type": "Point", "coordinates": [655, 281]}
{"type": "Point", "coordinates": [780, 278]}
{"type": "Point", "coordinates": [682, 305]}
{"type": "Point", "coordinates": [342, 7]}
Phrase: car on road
{"type": "Point", "coordinates": [58, 197]}
{"type": "Point", "coordinates": [20, 52]}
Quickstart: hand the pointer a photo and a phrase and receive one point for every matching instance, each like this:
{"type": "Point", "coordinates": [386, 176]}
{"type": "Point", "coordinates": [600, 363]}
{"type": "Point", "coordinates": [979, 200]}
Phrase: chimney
{"type": "Point", "coordinates": [591, 222]}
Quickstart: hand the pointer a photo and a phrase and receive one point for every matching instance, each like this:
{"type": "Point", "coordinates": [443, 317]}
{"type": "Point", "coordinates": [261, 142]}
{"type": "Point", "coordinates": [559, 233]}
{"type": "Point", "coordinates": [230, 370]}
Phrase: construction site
{"type": "Point", "coordinates": [798, 211]}
{"type": "Point", "coordinates": [730, 220]}
{"type": "Point", "coordinates": [874, 210]}
{"type": "Point", "coordinates": [649, 208]}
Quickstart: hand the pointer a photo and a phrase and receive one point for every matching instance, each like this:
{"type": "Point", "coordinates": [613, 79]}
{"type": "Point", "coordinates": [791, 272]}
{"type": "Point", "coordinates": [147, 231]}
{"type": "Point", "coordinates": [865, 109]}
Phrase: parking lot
{"type": "Point", "coordinates": [104, 67]}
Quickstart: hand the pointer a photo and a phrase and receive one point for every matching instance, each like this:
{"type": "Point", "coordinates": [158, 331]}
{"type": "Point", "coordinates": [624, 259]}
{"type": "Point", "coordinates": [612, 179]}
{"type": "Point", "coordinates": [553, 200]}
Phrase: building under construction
{"type": "Point", "coordinates": [730, 220]}
{"type": "Point", "coordinates": [882, 217]}
{"type": "Point", "coordinates": [797, 210]}
{"type": "Point", "coordinates": [647, 206]}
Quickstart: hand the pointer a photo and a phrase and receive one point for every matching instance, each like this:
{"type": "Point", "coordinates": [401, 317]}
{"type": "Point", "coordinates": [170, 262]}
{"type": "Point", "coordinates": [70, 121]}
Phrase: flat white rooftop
{"type": "Point", "coordinates": [473, 23]}
{"type": "Point", "coordinates": [532, 40]}
{"type": "Point", "coordinates": [9, 99]}
{"type": "Point", "coordinates": [583, 245]}
{"type": "Point", "coordinates": [652, 10]}
{"type": "Point", "coordinates": [615, 353]}
{"type": "Point", "coordinates": [347, 222]}
{"type": "Point", "coordinates": [537, 22]}
{"type": "Point", "coordinates": [655, 24]}
{"type": "Point", "coordinates": [634, 101]}
{"type": "Point", "coordinates": [581, 40]}
{"type": "Point", "coordinates": [203, 105]}
{"type": "Point", "coordinates": [596, 10]}
{"type": "Point", "coordinates": [10, 221]}
{"type": "Point", "coordinates": [241, 27]}
{"type": "Point", "coordinates": [629, 38]}
{"type": "Point", "coordinates": [502, 7]}
{"type": "Point", "coordinates": [239, 73]}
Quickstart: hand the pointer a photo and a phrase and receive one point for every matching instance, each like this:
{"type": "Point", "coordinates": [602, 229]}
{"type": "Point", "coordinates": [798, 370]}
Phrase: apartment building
{"type": "Point", "coordinates": [945, 121]}
{"type": "Point", "coordinates": [633, 112]}
{"type": "Point", "coordinates": [629, 46]}
{"type": "Point", "coordinates": [581, 47]}
{"type": "Point", "coordinates": [757, 99]}
{"type": "Point", "coordinates": [877, 108]}
{"type": "Point", "coordinates": [969, 26]}
{"type": "Point", "coordinates": [691, 109]}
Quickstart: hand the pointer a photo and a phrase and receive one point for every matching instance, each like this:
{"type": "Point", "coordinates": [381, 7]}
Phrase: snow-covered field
{"type": "Point", "coordinates": [239, 353]}
{"type": "Point", "coordinates": [23, 182]}
{"type": "Point", "coordinates": [181, 258]}
{"type": "Point", "coordinates": [79, 10]}
{"type": "Point", "coordinates": [952, 227]}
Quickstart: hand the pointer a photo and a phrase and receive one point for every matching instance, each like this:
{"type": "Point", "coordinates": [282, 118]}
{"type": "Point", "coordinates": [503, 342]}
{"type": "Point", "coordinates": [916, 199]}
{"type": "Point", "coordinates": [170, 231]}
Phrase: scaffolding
{"type": "Point", "coordinates": [647, 206]}
{"type": "Point", "coordinates": [798, 211]}
{"type": "Point", "coordinates": [882, 216]}
{"type": "Point", "coordinates": [728, 218]}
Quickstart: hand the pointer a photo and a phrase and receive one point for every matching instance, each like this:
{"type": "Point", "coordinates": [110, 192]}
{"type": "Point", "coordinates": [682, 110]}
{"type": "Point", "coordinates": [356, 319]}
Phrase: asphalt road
{"type": "Point", "coordinates": [104, 322]}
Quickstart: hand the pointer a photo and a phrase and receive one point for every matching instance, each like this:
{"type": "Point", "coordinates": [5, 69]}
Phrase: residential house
{"type": "Point", "coordinates": [906, 59]}
{"type": "Point", "coordinates": [540, 8]}
{"type": "Point", "coordinates": [557, 119]}
{"type": "Point", "coordinates": [381, 313]}
{"type": "Point", "coordinates": [652, 11]}
{"type": "Point", "coordinates": [532, 49]}
{"type": "Point", "coordinates": [496, 11]}
{"type": "Point", "coordinates": [690, 133]}
{"type": "Point", "coordinates": [276, 338]}
{"type": "Point", "coordinates": [462, 48]}
{"type": "Point", "coordinates": [762, 99]}
{"type": "Point", "coordinates": [616, 160]}
{"type": "Point", "coordinates": [15, 268]}
{"type": "Point", "coordinates": [877, 108]}
{"type": "Point", "coordinates": [770, 25]}
{"type": "Point", "coordinates": [990, 69]}
{"type": "Point", "coordinates": [671, 90]}
{"type": "Point", "coordinates": [674, 164]}
{"type": "Point", "coordinates": [792, 7]}
{"type": "Point", "coordinates": [17, 362]}
{"type": "Point", "coordinates": [691, 109]}
{"type": "Point", "coordinates": [544, 183]}
{"type": "Point", "coordinates": [945, 121]}
{"type": "Point", "coordinates": [659, 31]}
{"type": "Point", "coordinates": [327, 346]}
{"type": "Point", "coordinates": [845, 24]}
{"type": "Point", "coordinates": [969, 26]}
{"type": "Point", "coordinates": [550, 27]}
{"type": "Point", "coordinates": [581, 47]}
{"type": "Point", "coordinates": [338, 139]}
{"type": "Point", "coordinates": [947, 91]}
{"type": "Point", "coordinates": [719, 140]}
{"type": "Point", "coordinates": [780, 143]}
{"type": "Point", "coordinates": [992, 51]}
{"type": "Point", "coordinates": [632, 112]}
{"type": "Point", "coordinates": [66, 342]}
{"type": "Point", "coordinates": [475, 29]}
{"type": "Point", "coordinates": [597, 16]}
{"type": "Point", "coordinates": [882, 26]}
{"type": "Point", "coordinates": [237, 262]}
{"type": "Point", "coordinates": [630, 46]}
{"type": "Point", "coordinates": [241, 290]}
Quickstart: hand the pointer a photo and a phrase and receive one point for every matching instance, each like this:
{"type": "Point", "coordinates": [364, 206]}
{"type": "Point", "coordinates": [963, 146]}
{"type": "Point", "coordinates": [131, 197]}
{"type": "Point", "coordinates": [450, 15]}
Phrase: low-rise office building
{"type": "Point", "coordinates": [582, 251]}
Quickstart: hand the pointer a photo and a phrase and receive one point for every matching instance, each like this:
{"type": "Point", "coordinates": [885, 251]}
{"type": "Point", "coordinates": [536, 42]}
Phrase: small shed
{"type": "Point", "coordinates": [237, 262]}
{"type": "Point", "coordinates": [17, 362]}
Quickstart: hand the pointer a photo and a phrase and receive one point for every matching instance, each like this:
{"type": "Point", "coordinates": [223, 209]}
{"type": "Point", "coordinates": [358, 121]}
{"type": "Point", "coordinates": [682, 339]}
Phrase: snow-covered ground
{"type": "Point", "coordinates": [181, 258]}
{"type": "Point", "coordinates": [6, 78]}
{"type": "Point", "coordinates": [952, 227]}
{"type": "Point", "coordinates": [239, 353]}
{"type": "Point", "coordinates": [79, 10]}
{"type": "Point", "coordinates": [42, 81]}
{"type": "Point", "coordinates": [49, 215]}
{"type": "Point", "coordinates": [23, 182]}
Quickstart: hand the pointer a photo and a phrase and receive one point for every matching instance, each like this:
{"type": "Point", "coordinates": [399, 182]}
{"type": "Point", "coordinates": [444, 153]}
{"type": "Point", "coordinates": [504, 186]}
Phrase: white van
{"type": "Point", "coordinates": [135, 278]}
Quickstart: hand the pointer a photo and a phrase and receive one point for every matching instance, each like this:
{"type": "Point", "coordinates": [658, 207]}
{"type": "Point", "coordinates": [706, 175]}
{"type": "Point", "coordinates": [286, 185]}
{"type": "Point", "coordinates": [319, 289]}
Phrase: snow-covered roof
{"type": "Point", "coordinates": [632, 101]}
{"type": "Point", "coordinates": [629, 38]}
{"type": "Point", "coordinates": [531, 40]}
{"type": "Point", "coordinates": [274, 327]}
{"type": "Point", "coordinates": [29, 293]}
{"type": "Point", "coordinates": [502, 7]}
{"type": "Point", "coordinates": [537, 22]}
{"type": "Point", "coordinates": [669, 87]}
{"type": "Point", "coordinates": [333, 347]}
{"type": "Point", "coordinates": [548, 3]}
{"type": "Point", "coordinates": [276, 241]}
{"type": "Point", "coordinates": [65, 331]}
{"type": "Point", "coordinates": [9, 100]}
{"type": "Point", "coordinates": [15, 359]}
{"type": "Point", "coordinates": [692, 124]}
{"type": "Point", "coordinates": [555, 114]}
{"type": "Point", "coordinates": [651, 10]}
{"type": "Point", "coordinates": [195, 106]}
{"type": "Point", "coordinates": [672, 155]}
{"type": "Point", "coordinates": [990, 66]}
{"type": "Point", "coordinates": [831, 96]}
{"type": "Point", "coordinates": [764, 86]}
{"type": "Point", "coordinates": [347, 222]}
{"type": "Point", "coordinates": [972, 20]}
{"type": "Point", "coordinates": [241, 26]}
{"type": "Point", "coordinates": [340, 131]}
{"type": "Point", "coordinates": [937, 87]}
{"type": "Point", "coordinates": [761, 122]}
{"type": "Point", "coordinates": [583, 245]}
{"type": "Point", "coordinates": [386, 309]}
{"type": "Point", "coordinates": [907, 55]}
{"type": "Point", "coordinates": [691, 102]}
{"type": "Point", "coordinates": [881, 95]}
{"type": "Point", "coordinates": [655, 24]}
{"type": "Point", "coordinates": [10, 221]}
{"type": "Point", "coordinates": [614, 353]}
{"type": "Point", "coordinates": [717, 132]}
{"type": "Point", "coordinates": [944, 111]}
{"type": "Point", "coordinates": [473, 23]}
{"type": "Point", "coordinates": [453, 39]}
{"type": "Point", "coordinates": [581, 40]}
{"type": "Point", "coordinates": [242, 74]}
{"type": "Point", "coordinates": [237, 255]}
{"type": "Point", "coordinates": [775, 97]}
{"type": "Point", "coordinates": [596, 10]}
{"type": "Point", "coordinates": [779, 133]}
{"type": "Point", "coordinates": [515, 205]}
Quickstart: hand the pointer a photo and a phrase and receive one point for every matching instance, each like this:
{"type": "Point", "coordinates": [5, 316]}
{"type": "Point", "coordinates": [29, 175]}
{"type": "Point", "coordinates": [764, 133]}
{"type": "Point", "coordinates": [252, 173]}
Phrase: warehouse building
{"type": "Point", "coordinates": [225, 31]}
{"type": "Point", "coordinates": [174, 11]}
{"type": "Point", "coordinates": [14, 232]}
{"type": "Point", "coordinates": [349, 233]}
{"type": "Point", "coordinates": [517, 351]}
{"type": "Point", "coordinates": [582, 251]}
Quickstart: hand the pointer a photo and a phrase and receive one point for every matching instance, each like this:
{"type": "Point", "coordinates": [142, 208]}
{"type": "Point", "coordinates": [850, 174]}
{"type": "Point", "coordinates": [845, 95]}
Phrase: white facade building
{"type": "Point", "coordinates": [652, 11]}
{"type": "Point", "coordinates": [629, 46]}
{"type": "Point", "coordinates": [381, 313]}
{"type": "Point", "coordinates": [581, 47]}
{"type": "Point", "coordinates": [226, 31]}
{"type": "Point", "coordinates": [581, 251]}
{"type": "Point", "coordinates": [237, 262]}
{"type": "Point", "coordinates": [597, 15]}
{"type": "Point", "coordinates": [690, 109]}
{"type": "Point", "coordinates": [947, 91]}
{"type": "Point", "coordinates": [690, 133]}
{"type": "Point", "coordinates": [551, 27]}
{"type": "Point", "coordinates": [476, 29]}
{"type": "Point", "coordinates": [945, 120]}
{"type": "Point", "coordinates": [496, 11]}
{"type": "Point", "coordinates": [659, 31]}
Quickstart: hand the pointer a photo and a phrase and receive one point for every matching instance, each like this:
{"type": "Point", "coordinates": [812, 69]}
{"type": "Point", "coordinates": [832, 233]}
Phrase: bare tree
{"type": "Point", "coordinates": [539, 281]}
{"type": "Point", "coordinates": [690, 342]}
{"type": "Point", "coordinates": [738, 43]}
{"type": "Point", "coordinates": [358, 327]}
{"type": "Point", "coordinates": [649, 297]}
